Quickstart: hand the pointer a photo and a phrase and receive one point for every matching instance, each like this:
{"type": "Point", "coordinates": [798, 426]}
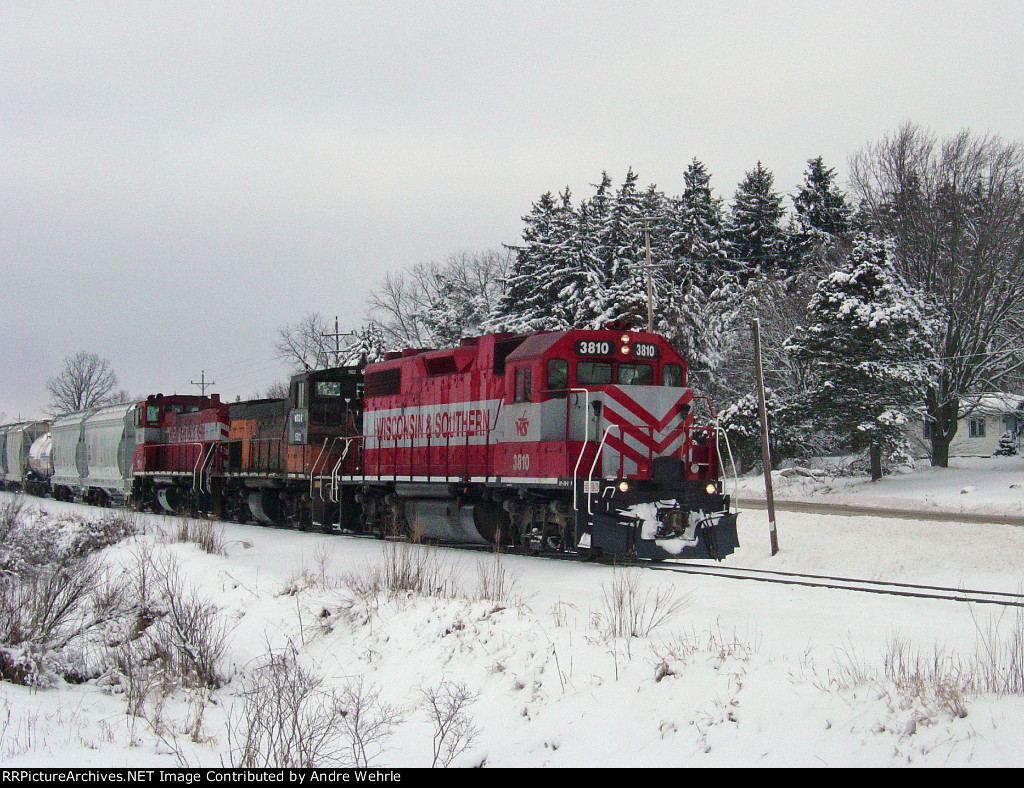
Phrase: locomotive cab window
{"type": "Point", "coordinates": [593, 373]}
{"type": "Point", "coordinates": [524, 385]}
{"type": "Point", "coordinates": [672, 375]}
{"type": "Point", "coordinates": [299, 394]}
{"type": "Point", "coordinates": [328, 388]}
{"type": "Point", "coordinates": [636, 374]}
{"type": "Point", "coordinates": [558, 377]}
{"type": "Point", "coordinates": [152, 415]}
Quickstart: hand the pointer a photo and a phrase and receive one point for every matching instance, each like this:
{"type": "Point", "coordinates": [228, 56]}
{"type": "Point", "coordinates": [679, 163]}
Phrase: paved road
{"type": "Point", "coordinates": [906, 514]}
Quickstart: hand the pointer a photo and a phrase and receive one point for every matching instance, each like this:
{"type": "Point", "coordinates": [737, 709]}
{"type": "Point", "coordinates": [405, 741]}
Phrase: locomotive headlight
{"type": "Point", "coordinates": [623, 486]}
{"type": "Point", "coordinates": [711, 489]}
{"type": "Point", "coordinates": [624, 350]}
{"type": "Point", "coordinates": [624, 339]}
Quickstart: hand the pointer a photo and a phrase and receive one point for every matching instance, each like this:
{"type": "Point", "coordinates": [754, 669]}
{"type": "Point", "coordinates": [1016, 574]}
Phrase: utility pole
{"type": "Point", "coordinates": [203, 385]}
{"type": "Point", "coordinates": [766, 457]}
{"type": "Point", "coordinates": [650, 285]}
{"type": "Point", "coordinates": [337, 335]}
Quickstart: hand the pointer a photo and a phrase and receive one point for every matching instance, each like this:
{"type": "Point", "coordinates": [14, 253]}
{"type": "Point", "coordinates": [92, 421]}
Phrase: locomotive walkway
{"type": "Point", "coordinates": [853, 510]}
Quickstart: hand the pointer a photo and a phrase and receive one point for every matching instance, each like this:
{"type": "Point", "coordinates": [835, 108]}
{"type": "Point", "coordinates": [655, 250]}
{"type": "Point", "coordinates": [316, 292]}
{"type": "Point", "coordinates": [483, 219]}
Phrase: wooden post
{"type": "Point", "coordinates": [766, 458]}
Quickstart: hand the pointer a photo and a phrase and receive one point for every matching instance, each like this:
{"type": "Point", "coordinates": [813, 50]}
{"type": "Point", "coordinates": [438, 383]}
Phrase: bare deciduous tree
{"type": "Point", "coordinates": [86, 381]}
{"type": "Point", "coordinates": [435, 304]}
{"type": "Point", "coordinates": [305, 344]}
{"type": "Point", "coordinates": [955, 209]}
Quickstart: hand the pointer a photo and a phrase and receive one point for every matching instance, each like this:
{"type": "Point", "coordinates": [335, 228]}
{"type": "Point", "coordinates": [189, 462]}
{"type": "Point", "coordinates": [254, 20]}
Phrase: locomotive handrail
{"type": "Point", "coordinates": [335, 476]}
{"type": "Point", "coordinates": [195, 468]}
{"type": "Point", "coordinates": [207, 468]}
{"type": "Point", "coordinates": [590, 478]}
{"type": "Point", "coordinates": [586, 439]}
{"type": "Point", "coordinates": [312, 470]}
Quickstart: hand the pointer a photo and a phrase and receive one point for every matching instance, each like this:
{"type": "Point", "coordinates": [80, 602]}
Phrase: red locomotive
{"type": "Point", "coordinates": [543, 441]}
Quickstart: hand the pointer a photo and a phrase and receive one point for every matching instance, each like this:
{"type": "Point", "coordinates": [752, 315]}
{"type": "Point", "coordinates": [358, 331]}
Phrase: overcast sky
{"type": "Point", "coordinates": [178, 180]}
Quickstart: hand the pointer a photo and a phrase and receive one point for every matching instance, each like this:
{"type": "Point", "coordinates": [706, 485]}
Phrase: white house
{"type": "Point", "coordinates": [983, 422]}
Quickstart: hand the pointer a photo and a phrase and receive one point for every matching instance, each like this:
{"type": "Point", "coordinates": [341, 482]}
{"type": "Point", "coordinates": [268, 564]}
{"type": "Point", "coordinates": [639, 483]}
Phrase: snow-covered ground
{"type": "Point", "coordinates": [740, 674]}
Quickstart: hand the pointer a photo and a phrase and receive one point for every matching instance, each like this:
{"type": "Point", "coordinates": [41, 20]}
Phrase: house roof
{"type": "Point", "coordinates": [995, 404]}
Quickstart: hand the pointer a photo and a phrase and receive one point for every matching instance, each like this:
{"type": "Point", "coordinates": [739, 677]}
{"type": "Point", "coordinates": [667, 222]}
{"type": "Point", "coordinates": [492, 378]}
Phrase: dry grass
{"type": "Point", "coordinates": [629, 612]}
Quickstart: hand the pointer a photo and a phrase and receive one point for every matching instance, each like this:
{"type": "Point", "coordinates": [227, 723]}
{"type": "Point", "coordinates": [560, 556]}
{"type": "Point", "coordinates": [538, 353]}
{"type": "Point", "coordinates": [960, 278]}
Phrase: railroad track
{"type": "Point", "coordinates": [852, 510]}
{"type": "Point", "coordinates": [886, 588]}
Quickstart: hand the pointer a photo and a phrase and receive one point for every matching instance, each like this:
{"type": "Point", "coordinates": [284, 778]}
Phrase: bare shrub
{"type": "Point", "coordinates": [628, 612]}
{"type": "Point", "coordinates": [11, 513]}
{"type": "Point", "coordinates": [714, 643]}
{"type": "Point", "coordinates": [454, 731]}
{"type": "Point", "coordinates": [937, 680]}
{"type": "Point", "coordinates": [192, 637]}
{"type": "Point", "coordinates": [289, 719]}
{"type": "Point", "coordinates": [368, 722]}
{"type": "Point", "coordinates": [1000, 661]}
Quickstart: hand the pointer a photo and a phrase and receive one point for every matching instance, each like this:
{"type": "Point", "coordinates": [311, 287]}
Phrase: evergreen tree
{"type": "Point", "coordinates": [824, 219]}
{"type": "Point", "coordinates": [868, 340]}
{"type": "Point", "coordinates": [622, 239]}
{"type": "Point", "coordinates": [525, 305]}
{"type": "Point", "coordinates": [366, 347]}
{"type": "Point", "coordinates": [820, 206]}
{"type": "Point", "coordinates": [756, 236]}
{"type": "Point", "coordinates": [697, 238]}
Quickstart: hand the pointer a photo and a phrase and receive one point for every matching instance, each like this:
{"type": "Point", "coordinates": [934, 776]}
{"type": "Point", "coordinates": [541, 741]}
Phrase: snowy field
{"type": "Point", "coordinates": [710, 672]}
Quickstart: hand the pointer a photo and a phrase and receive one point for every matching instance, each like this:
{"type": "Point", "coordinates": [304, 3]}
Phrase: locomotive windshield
{"type": "Point", "coordinates": [636, 374]}
{"type": "Point", "coordinates": [558, 377]}
{"type": "Point", "coordinates": [593, 373]}
{"type": "Point", "coordinates": [672, 375]}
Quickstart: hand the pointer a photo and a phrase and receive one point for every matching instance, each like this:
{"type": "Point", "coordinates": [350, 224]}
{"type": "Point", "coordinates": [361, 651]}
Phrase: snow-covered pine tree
{"type": "Point", "coordinates": [525, 304]}
{"type": "Point", "coordinates": [701, 290]}
{"type": "Point", "coordinates": [594, 218]}
{"type": "Point", "coordinates": [567, 277]}
{"type": "Point", "coordinates": [756, 236]}
{"type": "Point", "coordinates": [622, 239]}
{"type": "Point", "coordinates": [867, 338]}
{"type": "Point", "coordinates": [366, 347]}
{"type": "Point", "coordinates": [1007, 445]}
{"type": "Point", "coordinates": [699, 246]}
{"type": "Point", "coordinates": [823, 220]}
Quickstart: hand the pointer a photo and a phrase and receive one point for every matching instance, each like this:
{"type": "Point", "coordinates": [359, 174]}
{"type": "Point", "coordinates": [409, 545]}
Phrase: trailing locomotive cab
{"type": "Point", "coordinates": [178, 459]}
{"type": "Point", "coordinates": [286, 457]}
{"type": "Point", "coordinates": [609, 413]}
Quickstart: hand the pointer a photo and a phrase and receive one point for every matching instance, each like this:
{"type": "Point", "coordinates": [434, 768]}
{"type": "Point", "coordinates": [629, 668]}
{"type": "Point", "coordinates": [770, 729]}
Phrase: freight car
{"type": "Point", "coordinates": [546, 442]}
